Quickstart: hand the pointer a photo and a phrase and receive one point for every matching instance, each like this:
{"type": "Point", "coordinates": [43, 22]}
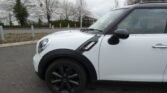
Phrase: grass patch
{"type": "Point", "coordinates": [21, 37]}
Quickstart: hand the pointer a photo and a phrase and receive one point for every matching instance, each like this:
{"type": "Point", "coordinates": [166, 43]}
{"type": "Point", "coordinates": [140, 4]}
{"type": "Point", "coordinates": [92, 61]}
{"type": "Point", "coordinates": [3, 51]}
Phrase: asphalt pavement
{"type": "Point", "coordinates": [17, 76]}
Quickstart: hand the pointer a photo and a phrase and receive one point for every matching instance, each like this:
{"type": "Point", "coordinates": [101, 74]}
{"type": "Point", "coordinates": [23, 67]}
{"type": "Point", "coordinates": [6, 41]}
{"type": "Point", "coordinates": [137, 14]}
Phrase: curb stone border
{"type": "Point", "coordinates": [17, 44]}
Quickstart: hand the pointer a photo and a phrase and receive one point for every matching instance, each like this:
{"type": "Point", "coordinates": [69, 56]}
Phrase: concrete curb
{"type": "Point", "coordinates": [17, 44]}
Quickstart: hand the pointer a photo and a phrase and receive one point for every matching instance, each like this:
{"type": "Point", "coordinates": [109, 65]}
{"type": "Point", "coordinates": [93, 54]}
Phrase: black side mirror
{"type": "Point", "coordinates": [122, 33]}
{"type": "Point", "coordinates": [117, 35]}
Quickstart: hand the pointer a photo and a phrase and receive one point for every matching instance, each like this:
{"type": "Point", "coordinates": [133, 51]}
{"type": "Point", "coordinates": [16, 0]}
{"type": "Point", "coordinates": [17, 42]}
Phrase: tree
{"type": "Point", "coordinates": [10, 19]}
{"type": "Point", "coordinates": [8, 5]}
{"type": "Point", "coordinates": [21, 13]}
{"type": "Point", "coordinates": [82, 11]}
{"type": "Point", "coordinates": [65, 8]}
{"type": "Point", "coordinates": [49, 7]}
{"type": "Point", "coordinates": [116, 3]}
{"type": "Point", "coordinates": [1, 23]}
{"type": "Point", "coordinates": [72, 11]}
{"type": "Point", "coordinates": [69, 9]}
{"type": "Point", "coordinates": [40, 22]}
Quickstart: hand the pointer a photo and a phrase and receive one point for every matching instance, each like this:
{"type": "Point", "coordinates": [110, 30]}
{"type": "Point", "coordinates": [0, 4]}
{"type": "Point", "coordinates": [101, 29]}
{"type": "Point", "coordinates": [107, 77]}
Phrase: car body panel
{"type": "Point", "coordinates": [93, 55]}
{"type": "Point", "coordinates": [61, 40]}
{"type": "Point", "coordinates": [134, 59]}
{"type": "Point", "coordinates": [66, 40]}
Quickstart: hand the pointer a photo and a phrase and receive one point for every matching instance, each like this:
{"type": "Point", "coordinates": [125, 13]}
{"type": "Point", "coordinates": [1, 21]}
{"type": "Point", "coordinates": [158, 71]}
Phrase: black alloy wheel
{"type": "Point", "coordinates": [66, 76]}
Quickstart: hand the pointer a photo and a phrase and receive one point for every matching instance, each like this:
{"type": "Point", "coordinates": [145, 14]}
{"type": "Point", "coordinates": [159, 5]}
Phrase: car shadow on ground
{"type": "Point", "coordinates": [112, 87]}
{"type": "Point", "coordinates": [122, 87]}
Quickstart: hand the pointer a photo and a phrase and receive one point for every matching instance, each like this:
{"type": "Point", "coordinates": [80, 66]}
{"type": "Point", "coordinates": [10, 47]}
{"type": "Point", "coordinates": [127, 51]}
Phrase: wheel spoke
{"type": "Point", "coordinates": [56, 81]}
{"type": "Point", "coordinates": [74, 82]}
{"type": "Point", "coordinates": [64, 79]}
{"type": "Point", "coordinates": [57, 75]}
{"type": "Point", "coordinates": [72, 76]}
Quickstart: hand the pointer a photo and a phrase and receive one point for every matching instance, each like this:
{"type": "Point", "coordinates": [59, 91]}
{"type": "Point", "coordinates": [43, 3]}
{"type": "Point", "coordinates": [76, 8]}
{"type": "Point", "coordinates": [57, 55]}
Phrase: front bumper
{"type": "Point", "coordinates": [36, 61]}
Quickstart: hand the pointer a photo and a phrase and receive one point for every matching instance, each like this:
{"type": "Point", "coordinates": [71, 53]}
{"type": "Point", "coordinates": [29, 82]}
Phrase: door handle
{"type": "Point", "coordinates": [159, 46]}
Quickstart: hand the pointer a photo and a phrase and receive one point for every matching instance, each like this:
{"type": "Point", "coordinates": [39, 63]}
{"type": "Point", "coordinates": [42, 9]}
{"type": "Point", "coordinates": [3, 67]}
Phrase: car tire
{"type": "Point", "coordinates": [66, 76]}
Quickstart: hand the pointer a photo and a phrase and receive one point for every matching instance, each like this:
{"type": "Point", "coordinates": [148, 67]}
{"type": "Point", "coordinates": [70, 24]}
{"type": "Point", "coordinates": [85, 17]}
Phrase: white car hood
{"type": "Point", "coordinates": [69, 33]}
{"type": "Point", "coordinates": [67, 40]}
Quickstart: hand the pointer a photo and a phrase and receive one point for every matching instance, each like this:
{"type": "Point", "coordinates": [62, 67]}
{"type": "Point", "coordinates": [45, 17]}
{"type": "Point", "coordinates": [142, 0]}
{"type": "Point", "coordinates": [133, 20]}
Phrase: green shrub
{"type": "Point", "coordinates": [1, 24]}
{"type": "Point", "coordinates": [64, 23]}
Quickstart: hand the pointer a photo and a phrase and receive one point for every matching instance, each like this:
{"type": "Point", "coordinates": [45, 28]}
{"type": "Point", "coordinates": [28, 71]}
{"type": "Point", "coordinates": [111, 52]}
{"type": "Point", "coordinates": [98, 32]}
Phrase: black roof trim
{"type": "Point", "coordinates": [146, 2]}
{"type": "Point", "coordinates": [147, 5]}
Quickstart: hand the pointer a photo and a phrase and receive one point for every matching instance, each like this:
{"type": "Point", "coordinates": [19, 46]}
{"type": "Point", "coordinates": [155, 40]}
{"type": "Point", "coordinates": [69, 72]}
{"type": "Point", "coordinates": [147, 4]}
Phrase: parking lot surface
{"type": "Point", "coordinates": [17, 76]}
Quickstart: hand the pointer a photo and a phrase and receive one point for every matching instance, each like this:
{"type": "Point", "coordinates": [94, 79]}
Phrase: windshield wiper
{"type": "Point", "coordinates": [90, 29]}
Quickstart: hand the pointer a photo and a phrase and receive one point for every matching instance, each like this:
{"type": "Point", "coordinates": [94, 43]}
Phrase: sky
{"type": "Point", "coordinates": [100, 7]}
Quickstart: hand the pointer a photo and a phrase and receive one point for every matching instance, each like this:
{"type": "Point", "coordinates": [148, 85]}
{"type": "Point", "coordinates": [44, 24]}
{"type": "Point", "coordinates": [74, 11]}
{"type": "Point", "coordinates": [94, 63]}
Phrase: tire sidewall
{"type": "Point", "coordinates": [73, 64]}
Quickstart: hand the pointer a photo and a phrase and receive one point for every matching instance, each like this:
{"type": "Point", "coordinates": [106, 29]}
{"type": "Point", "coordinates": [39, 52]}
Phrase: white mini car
{"type": "Point", "coordinates": [127, 44]}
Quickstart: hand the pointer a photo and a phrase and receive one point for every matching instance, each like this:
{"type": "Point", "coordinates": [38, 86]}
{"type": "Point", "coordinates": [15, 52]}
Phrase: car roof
{"type": "Point", "coordinates": [147, 5]}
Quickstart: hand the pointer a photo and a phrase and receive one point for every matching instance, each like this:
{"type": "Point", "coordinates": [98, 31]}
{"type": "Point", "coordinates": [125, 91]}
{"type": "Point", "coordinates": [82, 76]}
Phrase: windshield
{"type": "Point", "coordinates": [106, 20]}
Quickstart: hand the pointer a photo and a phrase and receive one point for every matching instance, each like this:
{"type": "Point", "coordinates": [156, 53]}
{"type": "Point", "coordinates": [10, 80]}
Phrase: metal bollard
{"type": "Point", "coordinates": [53, 27]}
{"type": "Point", "coordinates": [60, 25]}
{"type": "Point", "coordinates": [2, 33]}
{"type": "Point", "coordinates": [32, 29]}
{"type": "Point", "coordinates": [68, 26]}
{"type": "Point", "coordinates": [50, 26]}
{"type": "Point", "coordinates": [75, 25]}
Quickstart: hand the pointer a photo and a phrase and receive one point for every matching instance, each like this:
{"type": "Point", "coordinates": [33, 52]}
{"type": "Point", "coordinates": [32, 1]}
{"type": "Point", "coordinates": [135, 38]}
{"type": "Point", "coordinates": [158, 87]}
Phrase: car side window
{"type": "Point", "coordinates": [145, 21]}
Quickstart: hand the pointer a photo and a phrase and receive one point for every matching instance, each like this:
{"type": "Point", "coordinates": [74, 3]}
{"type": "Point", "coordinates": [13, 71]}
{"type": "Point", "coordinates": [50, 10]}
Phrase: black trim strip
{"type": "Point", "coordinates": [50, 57]}
{"type": "Point", "coordinates": [84, 46]}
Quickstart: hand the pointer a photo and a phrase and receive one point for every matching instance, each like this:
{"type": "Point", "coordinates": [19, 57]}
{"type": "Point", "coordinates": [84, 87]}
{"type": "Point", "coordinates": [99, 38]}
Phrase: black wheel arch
{"type": "Point", "coordinates": [50, 57]}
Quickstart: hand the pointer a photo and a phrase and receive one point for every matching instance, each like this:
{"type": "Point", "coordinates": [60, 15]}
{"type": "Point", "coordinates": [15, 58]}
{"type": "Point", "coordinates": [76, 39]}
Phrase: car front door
{"type": "Point", "coordinates": [141, 57]}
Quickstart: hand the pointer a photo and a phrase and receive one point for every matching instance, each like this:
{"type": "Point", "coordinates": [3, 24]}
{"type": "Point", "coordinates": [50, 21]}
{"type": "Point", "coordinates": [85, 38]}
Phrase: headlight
{"type": "Point", "coordinates": [42, 45]}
